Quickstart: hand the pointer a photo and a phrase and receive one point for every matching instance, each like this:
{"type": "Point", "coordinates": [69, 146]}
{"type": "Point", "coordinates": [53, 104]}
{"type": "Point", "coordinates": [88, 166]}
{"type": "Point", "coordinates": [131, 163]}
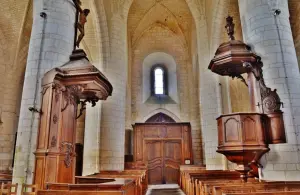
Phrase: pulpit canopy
{"type": "Point", "coordinates": [80, 72]}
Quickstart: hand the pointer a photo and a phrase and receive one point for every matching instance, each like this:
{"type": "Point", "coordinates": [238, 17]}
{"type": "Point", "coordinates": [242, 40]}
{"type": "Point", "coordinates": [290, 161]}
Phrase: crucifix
{"type": "Point", "coordinates": [230, 27]}
{"type": "Point", "coordinates": [81, 15]}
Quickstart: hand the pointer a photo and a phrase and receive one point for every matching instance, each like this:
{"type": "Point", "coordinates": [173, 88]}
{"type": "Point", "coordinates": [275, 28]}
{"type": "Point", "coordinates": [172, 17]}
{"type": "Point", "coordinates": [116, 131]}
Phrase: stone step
{"type": "Point", "coordinates": [166, 189]}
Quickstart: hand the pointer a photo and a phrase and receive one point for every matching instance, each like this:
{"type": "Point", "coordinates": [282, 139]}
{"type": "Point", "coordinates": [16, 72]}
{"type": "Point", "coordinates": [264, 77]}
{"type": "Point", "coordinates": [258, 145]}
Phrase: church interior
{"type": "Point", "coordinates": [150, 97]}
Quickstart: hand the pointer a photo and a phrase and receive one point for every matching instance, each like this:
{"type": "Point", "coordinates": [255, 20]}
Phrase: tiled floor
{"type": "Point", "coordinates": [167, 189]}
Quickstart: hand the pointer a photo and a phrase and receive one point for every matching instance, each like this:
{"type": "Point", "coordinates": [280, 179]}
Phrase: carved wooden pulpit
{"type": "Point", "coordinates": [65, 90]}
{"type": "Point", "coordinates": [244, 137]}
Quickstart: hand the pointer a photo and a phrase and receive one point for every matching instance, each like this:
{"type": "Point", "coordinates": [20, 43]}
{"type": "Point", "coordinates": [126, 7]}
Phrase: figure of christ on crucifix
{"type": "Point", "coordinates": [83, 13]}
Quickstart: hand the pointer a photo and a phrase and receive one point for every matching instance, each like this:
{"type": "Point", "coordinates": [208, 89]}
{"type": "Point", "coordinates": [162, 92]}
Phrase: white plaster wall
{"type": "Point", "coordinates": [281, 72]}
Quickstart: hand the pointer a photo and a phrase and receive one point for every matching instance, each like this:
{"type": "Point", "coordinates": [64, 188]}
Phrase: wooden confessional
{"type": "Point", "coordinates": [65, 90]}
{"type": "Point", "coordinates": [163, 147]}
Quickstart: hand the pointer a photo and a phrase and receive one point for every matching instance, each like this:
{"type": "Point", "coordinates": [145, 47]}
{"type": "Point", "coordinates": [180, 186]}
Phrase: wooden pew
{"type": "Point", "coordinates": [256, 187]}
{"type": "Point", "coordinates": [207, 175]}
{"type": "Point", "coordinates": [5, 177]}
{"type": "Point", "coordinates": [206, 182]}
{"type": "Point", "coordinates": [202, 182]}
{"type": "Point", "coordinates": [140, 177]}
{"type": "Point", "coordinates": [185, 170]}
{"type": "Point", "coordinates": [9, 189]}
{"type": "Point", "coordinates": [118, 187]}
{"type": "Point", "coordinates": [29, 189]}
{"type": "Point", "coordinates": [206, 186]}
{"type": "Point", "coordinates": [265, 193]}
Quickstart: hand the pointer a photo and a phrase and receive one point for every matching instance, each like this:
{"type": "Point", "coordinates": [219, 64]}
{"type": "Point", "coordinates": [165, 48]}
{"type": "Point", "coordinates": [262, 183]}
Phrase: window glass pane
{"type": "Point", "coordinates": [158, 71]}
{"type": "Point", "coordinates": [158, 81]}
{"type": "Point", "coordinates": [159, 90]}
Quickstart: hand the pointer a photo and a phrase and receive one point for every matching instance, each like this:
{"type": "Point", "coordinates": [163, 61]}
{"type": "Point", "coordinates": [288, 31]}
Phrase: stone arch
{"type": "Point", "coordinates": [160, 118]}
{"type": "Point", "coordinates": [102, 30]}
{"type": "Point", "coordinates": [160, 110]}
{"type": "Point", "coordinates": [92, 42]}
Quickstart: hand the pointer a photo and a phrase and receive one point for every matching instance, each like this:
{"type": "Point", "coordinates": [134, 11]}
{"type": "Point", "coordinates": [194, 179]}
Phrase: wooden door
{"type": "Point", "coordinates": [164, 159]}
{"type": "Point", "coordinates": [163, 147]}
{"type": "Point", "coordinates": [171, 161]}
{"type": "Point", "coordinates": [154, 156]}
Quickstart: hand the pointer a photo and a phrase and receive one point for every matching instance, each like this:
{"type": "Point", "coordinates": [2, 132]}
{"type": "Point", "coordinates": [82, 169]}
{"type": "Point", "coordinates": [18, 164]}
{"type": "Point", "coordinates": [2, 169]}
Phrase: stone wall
{"type": "Point", "coordinates": [188, 30]}
{"type": "Point", "coordinates": [271, 37]}
{"type": "Point", "coordinates": [50, 46]}
{"type": "Point", "coordinates": [165, 27]}
{"type": "Point", "coordinates": [15, 22]}
{"type": "Point", "coordinates": [239, 94]}
{"type": "Point", "coordinates": [113, 110]}
{"type": "Point", "coordinates": [294, 8]}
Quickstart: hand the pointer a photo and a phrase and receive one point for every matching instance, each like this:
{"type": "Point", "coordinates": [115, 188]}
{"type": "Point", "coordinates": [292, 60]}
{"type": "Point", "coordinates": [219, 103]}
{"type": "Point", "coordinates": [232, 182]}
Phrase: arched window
{"type": "Point", "coordinates": [159, 80]}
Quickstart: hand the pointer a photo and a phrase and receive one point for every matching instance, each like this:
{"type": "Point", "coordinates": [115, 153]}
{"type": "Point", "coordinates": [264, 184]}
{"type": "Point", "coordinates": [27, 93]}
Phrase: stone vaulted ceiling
{"type": "Point", "coordinates": [173, 15]}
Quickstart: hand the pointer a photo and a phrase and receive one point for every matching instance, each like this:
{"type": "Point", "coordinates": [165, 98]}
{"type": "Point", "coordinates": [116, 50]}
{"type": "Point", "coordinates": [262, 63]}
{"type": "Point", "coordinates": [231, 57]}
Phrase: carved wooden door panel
{"type": "Point", "coordinates": [154, 155]}
{"type": "Point", "coordinates": [163, 147]}
{"type": "Point", "coordinates": [172, 161]}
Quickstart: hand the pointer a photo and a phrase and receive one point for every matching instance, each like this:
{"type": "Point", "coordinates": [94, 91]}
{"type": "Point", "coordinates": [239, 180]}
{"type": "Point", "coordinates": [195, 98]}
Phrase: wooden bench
{"type": "Point", "coordinates": [265, 193]}
{"type": "Point", "coordinates": [118, 187]}
{"type": "Point", "coordinates": [206, 186]}
{"type": "Point", "coordinates": [5, 177]}
{"type": "Point", "coordinates": [140, 177]}
{"type": "Point", "coordinates": [206, 175]}
{"type": "Point", "coordinates": [256, 187]}
{"type": "Point", "coordinates": [9, 189]}
{"type": "Point", "coordinates": [29, 189]}
{"type": "Point", "coordinates": [208, 182]}
{"type": "Point", "coordinates": [185, 170]}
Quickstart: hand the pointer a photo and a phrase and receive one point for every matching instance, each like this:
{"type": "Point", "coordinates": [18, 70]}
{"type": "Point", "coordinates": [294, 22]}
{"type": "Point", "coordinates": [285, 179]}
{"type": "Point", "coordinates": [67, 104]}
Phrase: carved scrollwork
{"type": "Point", "coordinates": [67, 148]}
{"type": "Point", "coordinates": [57, 89]}
{"type": "Point", "coordinates": [53, 141]}
{"type": "Point", "coordinates": [44, 90]}
{"type": "Point", "coordinates": [270, 99]}
{"type": "Point", "coordinates": [71, 95]}
{"type": "Point", "coordinates": [55, 119]}
{"type": "Point", "coordinates": [83, 105]}
{"type": "Point", "coordinates": [239, 77]}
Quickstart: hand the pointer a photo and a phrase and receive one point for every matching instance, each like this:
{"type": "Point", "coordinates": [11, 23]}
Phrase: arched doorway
{"type": "Point", "coordinates": [163, 145]}
{"type": "Point", "coordinates": [160, 118]}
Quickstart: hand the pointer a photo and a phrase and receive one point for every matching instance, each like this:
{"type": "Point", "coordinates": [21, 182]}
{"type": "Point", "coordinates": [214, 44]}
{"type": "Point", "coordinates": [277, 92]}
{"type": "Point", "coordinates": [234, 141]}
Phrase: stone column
{"type": "Point", "coordinates": [271, 37]}
{"type": "Point", "coordinates": [209, 101]}
{"type": "Point", "coordinates": [114, 108]}
{"type": "Point", "coordinates": [50, 46]}
{"type": "Point", "coordinates": [91, 149]}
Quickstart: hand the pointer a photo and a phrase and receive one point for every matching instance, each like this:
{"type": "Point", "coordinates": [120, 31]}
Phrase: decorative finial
{"type": "Point", "coordinates": [230, 27]}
